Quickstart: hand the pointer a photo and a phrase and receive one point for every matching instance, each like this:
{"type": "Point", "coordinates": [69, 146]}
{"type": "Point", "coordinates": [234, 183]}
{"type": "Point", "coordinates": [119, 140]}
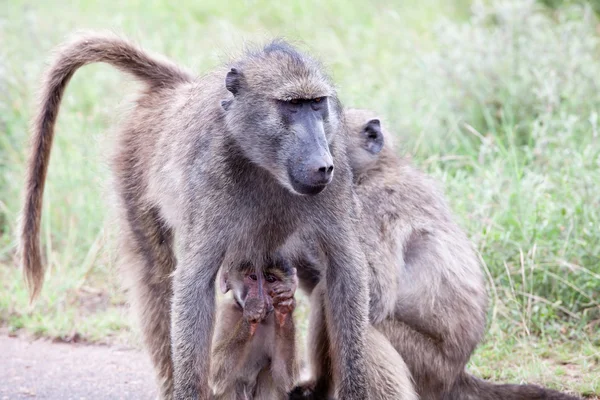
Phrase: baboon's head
{"type": "Point", "coordinates": [366, 140]}
{"type": "Point", "coordinates": [250, 290]}
{"type": "Point", "coordinates": [285, 115]}
{"type": "Point", "coordinates": [252, 287]}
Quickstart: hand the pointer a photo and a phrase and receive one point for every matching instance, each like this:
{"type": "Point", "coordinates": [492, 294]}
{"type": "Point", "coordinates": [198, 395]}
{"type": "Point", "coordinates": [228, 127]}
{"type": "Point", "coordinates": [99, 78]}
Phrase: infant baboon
{"type": "Point", "coordinates": [254, 348]}
{"type": "Point", "coordinates": [427, 292]}
{"type": "Point", "coordinates": [230, 164]}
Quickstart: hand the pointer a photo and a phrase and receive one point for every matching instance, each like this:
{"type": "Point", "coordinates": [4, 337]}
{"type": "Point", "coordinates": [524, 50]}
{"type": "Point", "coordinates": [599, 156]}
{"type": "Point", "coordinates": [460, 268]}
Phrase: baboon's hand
{"type": "Point", "coordinates": [255, 310]}
{"type": "Point", "coordinates": [283, 309]}
{"type": "Point", "coordinates": [283, 291]}
{"type": "Point", "coordinates": [286, 306]}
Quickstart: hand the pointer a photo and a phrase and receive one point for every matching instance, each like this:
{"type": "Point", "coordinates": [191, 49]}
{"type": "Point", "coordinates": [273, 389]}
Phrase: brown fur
{"type": "Point", "coordinates": [211, 162]}
{"type": "Point", "coordinates": [255, 360]}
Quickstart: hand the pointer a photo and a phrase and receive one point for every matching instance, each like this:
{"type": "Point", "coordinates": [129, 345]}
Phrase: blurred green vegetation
{"type": "Point", "coordinates": [557, 4]}
{"type": "Point", "coordinates": [499, 100]}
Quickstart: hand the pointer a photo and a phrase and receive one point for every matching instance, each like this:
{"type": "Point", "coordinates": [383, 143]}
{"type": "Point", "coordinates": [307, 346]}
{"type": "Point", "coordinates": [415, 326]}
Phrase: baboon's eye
{"type": "Point", "coordinates": [317, 100]}
{"type": "Point", "coordinates": [294, 101]}
{"type": "Point", "coordinates": [270, 278]}
{"type": "Point", "coordinates": [253, 277]}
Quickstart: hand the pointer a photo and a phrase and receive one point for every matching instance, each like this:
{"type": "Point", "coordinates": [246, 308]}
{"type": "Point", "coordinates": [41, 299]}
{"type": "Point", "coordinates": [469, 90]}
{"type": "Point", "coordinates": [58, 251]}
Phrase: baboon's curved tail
{"type": "Point", "coordinates": [85, 49]}
{"type": "Point", "coordinates": [469, 387]}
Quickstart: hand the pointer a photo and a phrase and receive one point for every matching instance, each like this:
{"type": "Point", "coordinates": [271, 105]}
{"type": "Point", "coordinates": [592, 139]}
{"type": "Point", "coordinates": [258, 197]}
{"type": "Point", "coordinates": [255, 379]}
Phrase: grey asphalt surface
{"type": "Point", "coordinates": [45, 370]}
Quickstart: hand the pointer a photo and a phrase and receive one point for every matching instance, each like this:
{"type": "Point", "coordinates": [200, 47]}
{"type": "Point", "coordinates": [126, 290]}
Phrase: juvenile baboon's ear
{"type": "Point", "coordinates": [373, 128]}
{"type": "Point", "coordinates": [224, 282]}
{"type": "Point", "coordinates": [374, 136]}
{"type": "Point", "coordinates": [234, 81]}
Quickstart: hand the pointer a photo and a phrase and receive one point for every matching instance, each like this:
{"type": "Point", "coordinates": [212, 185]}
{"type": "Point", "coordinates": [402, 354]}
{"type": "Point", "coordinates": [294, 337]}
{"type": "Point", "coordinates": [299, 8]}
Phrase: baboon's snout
{"type": "Point", "coordinates": [312, 175]}
{"type": "Point", "coordinates": [320, 169]}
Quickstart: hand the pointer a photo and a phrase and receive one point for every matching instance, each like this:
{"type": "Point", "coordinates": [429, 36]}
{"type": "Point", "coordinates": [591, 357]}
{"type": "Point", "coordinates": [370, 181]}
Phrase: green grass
{"type": "Point", "coordinates": [500, 103]}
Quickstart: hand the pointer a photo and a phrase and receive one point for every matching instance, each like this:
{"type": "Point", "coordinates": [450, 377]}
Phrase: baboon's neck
{"type": "Point", "coordinates": [387, 162]}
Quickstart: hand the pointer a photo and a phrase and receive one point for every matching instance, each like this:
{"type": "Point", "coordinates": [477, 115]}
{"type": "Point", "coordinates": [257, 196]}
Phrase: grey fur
{"type": "Point", "coordinates": [387, 376]}
{"type": "Point", "coordinates": [205, 173]}
{"type": "Point", "coordinates": [427, 292]}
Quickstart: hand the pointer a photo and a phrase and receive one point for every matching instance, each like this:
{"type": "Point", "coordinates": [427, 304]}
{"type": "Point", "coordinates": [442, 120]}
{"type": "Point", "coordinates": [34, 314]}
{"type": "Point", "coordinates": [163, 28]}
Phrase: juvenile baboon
{"type": "Point", "coordinates": [254, 348]}
{"type": "Point", "coordinates": [227, 166]}
{"type": "Point", "coordinates": [427, 292]}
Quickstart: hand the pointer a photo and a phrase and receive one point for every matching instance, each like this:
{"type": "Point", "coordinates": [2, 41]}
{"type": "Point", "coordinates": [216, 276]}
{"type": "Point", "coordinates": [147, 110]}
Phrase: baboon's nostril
{"type": "Point", "coordinates": [326, 171]}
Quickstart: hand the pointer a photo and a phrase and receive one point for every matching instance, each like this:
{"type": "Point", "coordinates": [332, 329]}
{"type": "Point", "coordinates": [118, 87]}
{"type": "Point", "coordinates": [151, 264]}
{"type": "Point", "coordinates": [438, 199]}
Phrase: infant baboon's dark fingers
{"type": "Point", "coordinates": [287, 306]}
{"type": "Point", "coordinates": [254, 310]}
{"type": "Point", "coordinates": [285, 303]}
{"type": "Point", "coordinates": [279, 299]}
{"type": "Point", "coordinates": [255, 318]}
{"type": "Point", "coordinates": [286, 295]}
{"type": "Point", "coordinates": [283, 289]}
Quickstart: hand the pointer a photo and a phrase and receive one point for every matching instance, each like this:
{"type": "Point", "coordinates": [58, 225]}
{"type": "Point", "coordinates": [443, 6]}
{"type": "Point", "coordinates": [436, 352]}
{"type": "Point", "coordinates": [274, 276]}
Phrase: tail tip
{"type": "Point", "coordinates": [33, 272]}
{"type": "Point", "coordinates": [34, 286]}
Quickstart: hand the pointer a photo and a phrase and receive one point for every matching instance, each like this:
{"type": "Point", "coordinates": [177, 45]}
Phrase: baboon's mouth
{"type": "Point", "coordinates": [307, 190]}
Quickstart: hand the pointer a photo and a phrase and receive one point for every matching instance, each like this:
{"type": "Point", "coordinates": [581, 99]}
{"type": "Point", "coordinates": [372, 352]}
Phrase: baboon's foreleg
{"type": "Point", "coordinates": [346, 308]}
{"type": "Point", "coordinates": [193, 311]}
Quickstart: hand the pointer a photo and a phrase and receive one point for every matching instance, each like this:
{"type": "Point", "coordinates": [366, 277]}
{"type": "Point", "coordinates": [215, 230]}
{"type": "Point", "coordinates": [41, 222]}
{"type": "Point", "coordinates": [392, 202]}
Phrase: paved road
{"type": "Point", "coordinates": [45, 370]}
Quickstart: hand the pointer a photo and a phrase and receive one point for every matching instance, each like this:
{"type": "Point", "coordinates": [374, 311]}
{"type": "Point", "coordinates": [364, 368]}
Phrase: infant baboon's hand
{"type": "Point", "coordinates": [283, 309]}
{"type": "Point", "coordinates": [283, 291]}
{"type": "Point", "coordinates": [286, 306]}
{"type": "Point", "coordinates": [255, 310]}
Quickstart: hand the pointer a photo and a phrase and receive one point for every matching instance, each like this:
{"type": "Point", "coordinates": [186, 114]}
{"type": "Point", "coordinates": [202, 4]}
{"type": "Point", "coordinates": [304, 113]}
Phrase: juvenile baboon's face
{"type": "Point", "coordinates": [367, 140]}
{"type": "Point", "coordinates": [285, 116]}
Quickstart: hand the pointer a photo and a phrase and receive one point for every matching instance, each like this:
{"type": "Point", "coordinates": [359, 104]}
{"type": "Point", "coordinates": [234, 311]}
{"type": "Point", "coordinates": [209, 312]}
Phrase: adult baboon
{"type": "Point", "coordinates": [229, 164]}
{"type": "Point", "coordinates": [254, 346]}
{"type": "Point", "coordinates": [427, 292]}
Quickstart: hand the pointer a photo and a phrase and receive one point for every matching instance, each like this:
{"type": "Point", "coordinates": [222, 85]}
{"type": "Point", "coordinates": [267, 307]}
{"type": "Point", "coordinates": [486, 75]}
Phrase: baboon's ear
{"type": "Point", "coordinates": [224, 282]}
{"type": "Point", "coordinates": [373, 127]}
{"type": "Point", "coordinates": [374, 136]}
{"type": "Point", "coordinates": [233, 81]}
